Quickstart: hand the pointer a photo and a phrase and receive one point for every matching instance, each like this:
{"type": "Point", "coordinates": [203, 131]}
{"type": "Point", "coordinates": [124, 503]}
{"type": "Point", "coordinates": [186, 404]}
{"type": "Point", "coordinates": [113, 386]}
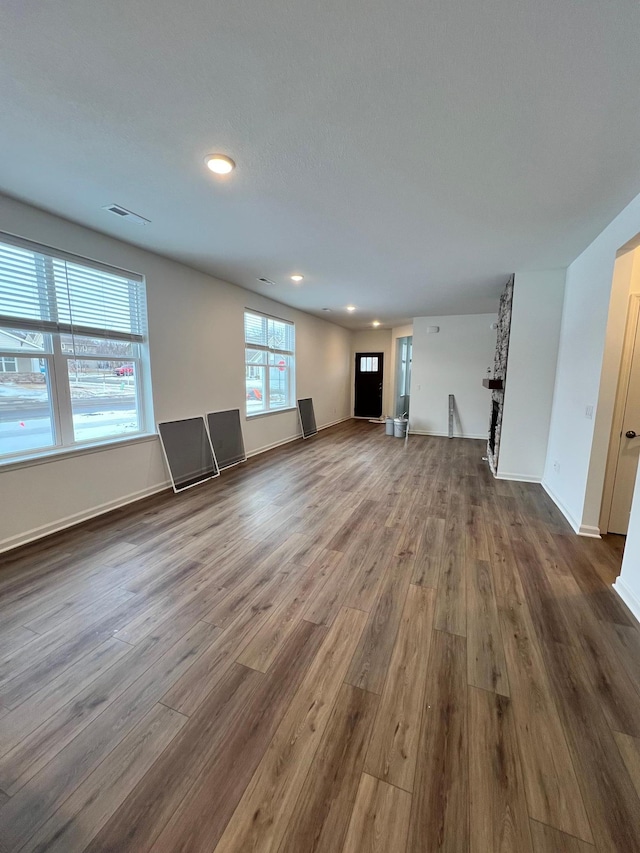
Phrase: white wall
{"type": "Point", "coordinates": [588, 362]}
{"type": "Point", "coordinates": [533, 354]}
{"type": "Point", "coordinates": [197, 361]}
{"type": "Point", "coordinates": [374, 340]}
{"type": "Point", "coordinates": [628, 584]}
{"type": "Point", "coordinates": [454, 361]}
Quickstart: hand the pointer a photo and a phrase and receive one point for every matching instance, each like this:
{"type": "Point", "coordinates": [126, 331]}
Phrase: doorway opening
{"type": "Point", "coordinates": [368, 384]}
{"type": "Point", "coordinates": [404, 350]}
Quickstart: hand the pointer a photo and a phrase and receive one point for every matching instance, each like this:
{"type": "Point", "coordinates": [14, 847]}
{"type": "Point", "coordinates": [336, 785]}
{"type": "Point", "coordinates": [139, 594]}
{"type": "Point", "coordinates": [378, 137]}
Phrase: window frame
{"type": "Point", "coordinates": [57, 361]}
{"type": "Point", "coordinates": [267, 408]}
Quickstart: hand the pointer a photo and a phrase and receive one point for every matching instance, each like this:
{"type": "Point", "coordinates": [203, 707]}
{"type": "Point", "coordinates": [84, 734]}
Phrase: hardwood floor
{"type": "Point", "coordinates": [340, 646]}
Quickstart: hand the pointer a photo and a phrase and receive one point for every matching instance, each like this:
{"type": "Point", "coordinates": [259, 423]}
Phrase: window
{"type": "Point", "coordinates": [269, 363]}
{"type": "Point", "coordinates": [369, 364]}
{"type": "Point", "coordinates": [8, 365]}
{"type": "Point", "coordinates": [72, 339]}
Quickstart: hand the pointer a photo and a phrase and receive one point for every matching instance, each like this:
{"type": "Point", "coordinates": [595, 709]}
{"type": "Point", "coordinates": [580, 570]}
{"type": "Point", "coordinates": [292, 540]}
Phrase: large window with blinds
{"type": "Point", "coordinates": [73, 337]}
{"type": "Point", "coordinates": [269, 363]}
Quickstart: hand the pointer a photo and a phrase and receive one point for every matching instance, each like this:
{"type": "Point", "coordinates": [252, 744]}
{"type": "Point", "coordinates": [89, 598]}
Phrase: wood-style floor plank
{"type": "Point", "coordinates": [71, 828]}
{"type": "Point", "coordinates": [546, 839]}
{"type": "Point", "coordinates": [485, 653]}
{"type": "Point", "coordinates": [263, 648]}
{"type": "Point", "coordinates": [370, 662]}
{"type": "Point", "coordinates": [553, 793]}
{"type": "Point", "coordinates": [343, 643]}
{"type": "Point", "coordinates": [451, 601]}
{"type": "Point", "coordinates": [630, 751]}
{"type": "Point", "coordinates": [393, 750]}
{"type": "Point", "coordinates": [380, 818]}
{"type": "Point", "coordinates": [261, 819]}
{"type": "Point", "coordinates": [498, 818]}
{"type": "Point", "coordinates": [181, 806]}
{"type": "Point", "coordinates": [322, 812]}
{"type": "Point", "coordinates": [44, 770]}
{"type": "Point", "coordinates": [614, 815]}
{"type": "Point", "coordinates": [427, 559]}
{"type": "Point", "coordinates": [440, 808]}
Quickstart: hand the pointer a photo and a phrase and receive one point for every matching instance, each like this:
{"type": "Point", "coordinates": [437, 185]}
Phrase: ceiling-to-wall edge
{"type": "Point", "coordinates": [128, 244]}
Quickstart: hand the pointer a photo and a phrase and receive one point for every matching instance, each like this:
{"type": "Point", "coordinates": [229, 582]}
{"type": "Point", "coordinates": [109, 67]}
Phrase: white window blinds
{"type": "Point", "coordinates": [57, 293]}
{"type": "Point", "coordinates": [268, 333]}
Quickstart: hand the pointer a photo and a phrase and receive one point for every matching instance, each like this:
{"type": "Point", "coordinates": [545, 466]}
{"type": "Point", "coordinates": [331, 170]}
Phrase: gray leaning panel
{"type": "Point", "coordinates": [225, 430]}
{"type": "Point", "coordinates": [188, 452]}
{"type": "Point", "coordinates": [307, 417]}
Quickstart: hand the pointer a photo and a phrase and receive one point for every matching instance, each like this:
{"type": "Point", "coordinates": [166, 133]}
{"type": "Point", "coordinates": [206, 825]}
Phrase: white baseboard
{"type": "Point", "coordinates": [79, 517]}
{"type": "Point", "coordinates": [581, 529]}
{"type": "Point", "coordinates": [590, 530]}
{"type": "Point", "coordinates": [445, 434]}
{"type": "Point", "coordinates": [291, 438]}
{"type": "Point", "coordinates": [519, 478]}
{"type": "Point", "coordinates": [628, 596]}
{"type": "Point", "coordinates": [273, 445]}
{"type": "Point", "coordinates": [93, 512]}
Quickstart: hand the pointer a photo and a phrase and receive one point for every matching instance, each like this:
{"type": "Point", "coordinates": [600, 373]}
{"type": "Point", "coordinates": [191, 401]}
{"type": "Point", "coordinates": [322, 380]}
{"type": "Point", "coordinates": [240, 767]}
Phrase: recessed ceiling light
{"type": "Point", "coordinates": [376, 323]}
{"type": "Point", "coordinates": [297, 277]}
{"type": "Point", "coordinates": [351, 307]}
{"type": "Point", "coordinates": [220, 163]}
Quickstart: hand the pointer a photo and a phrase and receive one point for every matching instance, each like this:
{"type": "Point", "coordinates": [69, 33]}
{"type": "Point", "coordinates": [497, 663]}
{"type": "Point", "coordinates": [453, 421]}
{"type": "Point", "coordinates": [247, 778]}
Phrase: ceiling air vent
{"type": "Point", "coordinates": [266, 281]}
{"type": "Point", "coordinates": [123, 213]}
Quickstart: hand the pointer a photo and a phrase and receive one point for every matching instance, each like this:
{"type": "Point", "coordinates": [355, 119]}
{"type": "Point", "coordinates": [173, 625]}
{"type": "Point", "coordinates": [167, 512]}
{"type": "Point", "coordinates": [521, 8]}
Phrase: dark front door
{"type": "Point", "coordinates": [369, 368]}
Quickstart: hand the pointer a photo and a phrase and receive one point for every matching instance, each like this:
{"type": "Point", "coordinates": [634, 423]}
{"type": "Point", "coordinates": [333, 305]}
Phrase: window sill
{"type": "Point", "coordinates": [272, 412]}
{"type": "Point", "coordinates": [68, 452]}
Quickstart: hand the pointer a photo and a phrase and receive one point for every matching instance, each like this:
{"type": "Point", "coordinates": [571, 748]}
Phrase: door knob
{"type": "Point", "coordinates": [630, 433]}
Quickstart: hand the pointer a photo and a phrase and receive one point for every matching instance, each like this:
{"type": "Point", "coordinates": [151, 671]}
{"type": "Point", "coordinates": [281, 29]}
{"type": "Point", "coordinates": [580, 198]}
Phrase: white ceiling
{"type": "Point", "coordinates": [404, 155]}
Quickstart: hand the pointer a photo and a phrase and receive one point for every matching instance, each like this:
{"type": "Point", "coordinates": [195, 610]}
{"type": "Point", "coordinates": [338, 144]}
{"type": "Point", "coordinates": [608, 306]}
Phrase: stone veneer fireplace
{"type": "Point", "coordinates": [500, 372]}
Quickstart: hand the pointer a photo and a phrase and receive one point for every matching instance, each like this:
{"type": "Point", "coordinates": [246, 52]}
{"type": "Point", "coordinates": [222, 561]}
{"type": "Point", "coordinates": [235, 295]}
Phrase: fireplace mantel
{"type": "Point", "coordinates": [493, 384]}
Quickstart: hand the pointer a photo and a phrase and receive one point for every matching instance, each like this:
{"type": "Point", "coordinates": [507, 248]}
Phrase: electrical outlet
{"type": "Point", "coordinates": [556, 467]}
{"type": "Point", "coordinates": [588, 412]}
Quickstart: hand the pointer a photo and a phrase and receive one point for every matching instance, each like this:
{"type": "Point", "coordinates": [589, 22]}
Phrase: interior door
{"type": "Point", "coordinates": [368, 390]}
{"type": "Point", "coordinates": [627, 464]}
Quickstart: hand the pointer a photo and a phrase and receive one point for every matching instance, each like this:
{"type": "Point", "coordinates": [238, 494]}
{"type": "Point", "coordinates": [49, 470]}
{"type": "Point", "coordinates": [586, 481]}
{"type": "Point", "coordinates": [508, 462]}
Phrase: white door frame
{"type": "Point", "coordinates": [633, 317]}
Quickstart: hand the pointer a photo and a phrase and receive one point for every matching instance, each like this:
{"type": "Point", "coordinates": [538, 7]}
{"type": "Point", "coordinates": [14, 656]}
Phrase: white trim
{"type": "Point", "coordinates": [79, 517]}
{"type": "Point", "coordinates": [84, 515]}
{"type": "Point", "coordinates": [519, 478]}
{"type": "Point", "coordinates": [590, 530]}
{"type": "Point", "coordinates": [270, 412]}
{"type": "Point", "coordinates": [297, 437]}
{"type": "Point", "coordinates": [272, 446]}
{"type": "Point", "coordinates": [628, 596]}
{"type": "Point", "coordinates": [581, 529]}
{"type": "Point", "coordinates": [446, 434]}
{"type": "Point", "coordinates": [619, 410]}
{"type": "Point", "coordinates": [574, 524]}
{"type": "Point", "coordinates": [59, 453]}
{"type": "Point", "coordinates": [61, 254]}
{"type": "Point", "coordinates": [166, 458]}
